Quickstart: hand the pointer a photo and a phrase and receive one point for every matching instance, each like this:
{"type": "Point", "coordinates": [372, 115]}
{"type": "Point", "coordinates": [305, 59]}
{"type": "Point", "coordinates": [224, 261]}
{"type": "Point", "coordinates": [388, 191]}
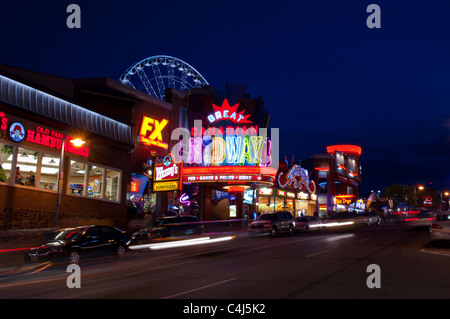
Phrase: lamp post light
{"type": "Point", "coordinates": [416, 187]}
{"type": "Point", "coordinates": [77, 143]}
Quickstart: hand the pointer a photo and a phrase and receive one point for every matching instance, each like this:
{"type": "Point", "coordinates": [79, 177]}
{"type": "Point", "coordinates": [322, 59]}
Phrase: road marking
{"type": "Point", "coordinates": [366, 239]}
{"type": "Point", "coordinates": [200, 288]}
{"type": "Point", "coordinates": [441, 252]}
{"type": "Point", "coordinates": [318, 253]}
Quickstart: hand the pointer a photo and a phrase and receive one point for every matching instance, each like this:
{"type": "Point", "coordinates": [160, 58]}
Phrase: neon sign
{"type": "Point", "coordinates": [41, 136]}
{"type": "Point", "coordinates": [227, 112]}
{"type": "Point", "coordinates": [155, 128]}
{"type": "Point", "coordinates": [167, 175]}
{"type": "Point", "coordinates": [229, 150]}
{"type": "Point", "coordinates": [296, 177]}
{"type": "Point", "coordinates": [49, 138]}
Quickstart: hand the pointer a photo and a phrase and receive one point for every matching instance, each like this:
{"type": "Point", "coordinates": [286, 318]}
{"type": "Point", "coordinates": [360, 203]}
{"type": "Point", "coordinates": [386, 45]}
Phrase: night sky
{"type": "Point", "coordinates": [325, 77]}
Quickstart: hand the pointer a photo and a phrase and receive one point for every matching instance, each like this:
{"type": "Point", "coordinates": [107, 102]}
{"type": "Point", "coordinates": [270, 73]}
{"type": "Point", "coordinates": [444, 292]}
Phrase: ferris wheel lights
{"type": "Point", "coordinates": [167, 74]}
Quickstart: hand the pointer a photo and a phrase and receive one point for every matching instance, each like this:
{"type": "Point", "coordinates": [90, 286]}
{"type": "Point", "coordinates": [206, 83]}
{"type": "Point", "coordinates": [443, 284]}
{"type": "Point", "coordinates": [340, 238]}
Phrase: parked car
{"type": "Point", "coordinates": [307, 223]}
{"type": "Point", "coordinates": [372, 218]}
{"type": "Point", "coordinates": [440, 227]}
{"type": "Point", "coordinates": [72, 244]}
{"type": "Point", "coordinates": [272, 224]}
{"type": "Point", "coordinates": [170, 226]}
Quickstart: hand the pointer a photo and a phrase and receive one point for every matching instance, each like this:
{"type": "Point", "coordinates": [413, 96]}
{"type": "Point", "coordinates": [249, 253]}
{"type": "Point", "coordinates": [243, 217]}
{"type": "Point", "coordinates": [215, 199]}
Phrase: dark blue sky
{"type": "Point", "coordinates": [325, 77]}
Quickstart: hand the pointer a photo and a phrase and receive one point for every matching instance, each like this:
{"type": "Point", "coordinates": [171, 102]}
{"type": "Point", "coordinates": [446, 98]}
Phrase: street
{"type": "Point", "coordinates": [318, 265]}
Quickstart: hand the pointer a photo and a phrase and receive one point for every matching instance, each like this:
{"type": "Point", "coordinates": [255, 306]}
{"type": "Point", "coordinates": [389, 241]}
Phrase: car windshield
{"type": "Point", "coordinates": [69, 233]}
{"type": "Point", "coordinates": [267, 217]}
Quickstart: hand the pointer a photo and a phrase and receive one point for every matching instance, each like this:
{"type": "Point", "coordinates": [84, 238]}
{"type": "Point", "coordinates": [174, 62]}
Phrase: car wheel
{"type": "Point", "coordinates": [368, 222]}
{"type": "Point", "coordinates": [307, 229]}
{"type": "Point", "coordinates": [120, 251]}
{"type": "Point", "coordinates": [74, 257]}
{"type": "Point", "coordinates": [291, 230]}
{"type": "Point", "coordinates": [378, 222]}
{"type": "Point", "coordinates": [273, 232]}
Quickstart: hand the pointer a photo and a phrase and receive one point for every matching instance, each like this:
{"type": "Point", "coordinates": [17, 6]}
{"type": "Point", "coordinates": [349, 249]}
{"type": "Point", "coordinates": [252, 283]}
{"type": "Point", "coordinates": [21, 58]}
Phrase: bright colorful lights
{"type": "Point", "coordinates": [348, 149]}
{"type": "Point", "coordinates": [155, 128]}
{"type": "Point", "coordinates": [227, 112]}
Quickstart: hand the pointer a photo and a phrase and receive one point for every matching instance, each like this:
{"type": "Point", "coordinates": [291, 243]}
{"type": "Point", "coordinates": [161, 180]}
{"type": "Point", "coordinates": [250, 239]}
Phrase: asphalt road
{"type": "Point", "coordinates": [330, 264]}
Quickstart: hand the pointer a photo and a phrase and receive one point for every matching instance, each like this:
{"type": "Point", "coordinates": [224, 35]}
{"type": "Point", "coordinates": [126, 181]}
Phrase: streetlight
{"type": "Point", "coordinates": [419, 187]}
{"type": "Point", "coordinates": [77, 143]}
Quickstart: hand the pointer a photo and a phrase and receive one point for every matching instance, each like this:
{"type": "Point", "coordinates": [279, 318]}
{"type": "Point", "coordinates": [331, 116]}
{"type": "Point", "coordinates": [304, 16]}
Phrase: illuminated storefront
{"type": "Point", "coordinates": [224, 153]}
{"type": "Point", "coordinates": [34, 126]}
{"type": "Point", "coordinates": [275, 199]}
{"type": "Point", "coordinates": [292, 192]}
{"type": "Point", "coordinates": [337, 174]}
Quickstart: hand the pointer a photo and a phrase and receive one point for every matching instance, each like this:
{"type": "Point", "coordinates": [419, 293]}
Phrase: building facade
{"type": "Point", "coordinates": [40, 115]}
{"type": "Point", "coordinates": [337, 175]}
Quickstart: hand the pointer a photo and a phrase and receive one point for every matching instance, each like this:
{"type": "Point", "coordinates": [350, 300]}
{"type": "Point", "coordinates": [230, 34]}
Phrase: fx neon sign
{"type": "Point", "coordinates": [155, 128]}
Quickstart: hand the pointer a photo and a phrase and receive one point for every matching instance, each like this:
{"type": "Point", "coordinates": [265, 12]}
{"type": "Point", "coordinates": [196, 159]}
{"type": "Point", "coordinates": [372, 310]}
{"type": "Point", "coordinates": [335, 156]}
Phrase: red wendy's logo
{"type": "Point", "coordinates": [227, 112]}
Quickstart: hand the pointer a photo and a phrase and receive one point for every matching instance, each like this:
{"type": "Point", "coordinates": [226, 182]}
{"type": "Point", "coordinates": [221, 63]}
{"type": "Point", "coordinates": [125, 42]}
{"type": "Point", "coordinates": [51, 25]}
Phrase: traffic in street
{"type": "Point", "coordinates": [334, 262]}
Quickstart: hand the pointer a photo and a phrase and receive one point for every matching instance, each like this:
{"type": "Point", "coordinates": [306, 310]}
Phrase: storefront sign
{"type": "Point", "coordinates": [53, 139]}
{"type": "Point", "coordinates": [41, 136]}
{"type": "Point", "coordinates": [265, 191]}
{"type": "Point", "coordinates": [167, 171]}
{"type": "Point", "coordinates": [154, 127]}
{"type": "Point", "coordinates": [344, 199]}
{"type": "Point", "coordinates": [166, 186]}
{"type": "Point", "coordinates": [227, 112]}
{"type": "Point", "coordinates": [427, 201]}
{"type": "Point", "coordinates": [17, 132]}
{"type": "Point", "coordinates": [229, 150]}
{"type": "Point", "coordinates": [296, 177]}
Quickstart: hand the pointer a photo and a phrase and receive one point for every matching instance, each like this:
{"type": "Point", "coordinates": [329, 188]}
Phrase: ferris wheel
{"type": "Point", "coordinates": [155, 74]}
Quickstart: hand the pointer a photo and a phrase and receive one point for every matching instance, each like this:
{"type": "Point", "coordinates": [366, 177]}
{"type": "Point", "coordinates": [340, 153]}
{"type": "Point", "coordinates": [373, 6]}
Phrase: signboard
{"type": "Point", "coordinates": [427, 201]}
{"type": "Point", "coordinates": [19, 132]}
{"type": "Point", "coordinates": [167, 175]}
{"type": "Point", "coordinates": [150, 132]}
{"type": "Point", "coordinates": [227, 112]}
{"type": "Point", "coordinates": [166, 186]}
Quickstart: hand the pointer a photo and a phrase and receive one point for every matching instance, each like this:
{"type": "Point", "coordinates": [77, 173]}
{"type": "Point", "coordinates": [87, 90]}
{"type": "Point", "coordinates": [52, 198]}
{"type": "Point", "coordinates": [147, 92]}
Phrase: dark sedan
{"type": "Point", "coordinates": [71, 244]}
{"type": "Point", "coordinates": [170, 226]}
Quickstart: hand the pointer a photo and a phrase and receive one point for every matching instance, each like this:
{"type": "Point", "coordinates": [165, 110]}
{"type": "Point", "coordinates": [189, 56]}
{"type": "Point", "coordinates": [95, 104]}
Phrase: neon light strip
{"type": "Point", "coordinates": [247, 170]}
{"type": "Point", "coordinates": [344, 149]}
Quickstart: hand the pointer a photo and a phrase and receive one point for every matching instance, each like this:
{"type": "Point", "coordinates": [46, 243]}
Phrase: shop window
{"type": "Point", "coordinates": [322, 174]}
{"type": "Point", "coordinates": [300, 207]}
{"type": "Point", "coordinates": [264, 205]}
{"type": "Point", "coordinates": [112, 185]}
{"type": "Point", "coordinates": [289, 206]}
{"type": "Point", "coordinates": [95, 181]}
{"type": "Point", "coordinates": [26, 168]}
{"type": "Point", "coordinates": [6, 155]}
{"type": "Point", "coordinates": [49, 172]}
{"type": "Point", "coordinates": [279, 204]}
{"type": "Point", "coordinates": [76, 177]}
